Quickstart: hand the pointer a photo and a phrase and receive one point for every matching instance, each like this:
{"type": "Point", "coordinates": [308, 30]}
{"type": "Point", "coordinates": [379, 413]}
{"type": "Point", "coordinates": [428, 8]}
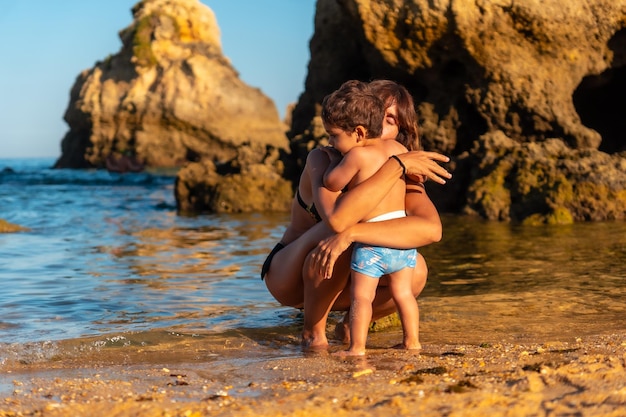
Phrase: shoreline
{"type": "Point", "coordinates": [237, 375]}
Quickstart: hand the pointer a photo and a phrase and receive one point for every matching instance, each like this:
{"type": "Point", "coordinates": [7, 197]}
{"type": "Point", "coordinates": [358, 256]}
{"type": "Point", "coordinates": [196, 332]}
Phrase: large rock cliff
{"type": "Point", "coordinates": [170, 97]}
{"type": "Point", "coordinates": [525, 72]}
{"type": "Point", "coordinates": [526, 96]}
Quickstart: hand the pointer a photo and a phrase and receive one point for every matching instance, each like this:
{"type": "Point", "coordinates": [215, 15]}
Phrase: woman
{"type": "Point", "coordinates": [296, 270]}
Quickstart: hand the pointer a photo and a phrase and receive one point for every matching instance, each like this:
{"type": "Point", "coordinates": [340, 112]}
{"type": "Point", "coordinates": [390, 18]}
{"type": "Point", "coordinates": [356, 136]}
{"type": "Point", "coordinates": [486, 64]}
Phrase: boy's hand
{"type": "Point", "coordinates": [333, 154]}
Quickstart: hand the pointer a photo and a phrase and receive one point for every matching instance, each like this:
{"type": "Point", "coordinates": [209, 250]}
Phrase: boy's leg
{"type": "Point", "coordinates": [400, 283]}
{"type": "Point", "coordinates": [363, 291]}
{"type": "Point", "coordinates": [383, 304]}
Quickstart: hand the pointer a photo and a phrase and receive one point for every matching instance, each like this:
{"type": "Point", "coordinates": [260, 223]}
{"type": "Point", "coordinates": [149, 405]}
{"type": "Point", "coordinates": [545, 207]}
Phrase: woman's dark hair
{"type": "Point", "coordinates": [390, 92]}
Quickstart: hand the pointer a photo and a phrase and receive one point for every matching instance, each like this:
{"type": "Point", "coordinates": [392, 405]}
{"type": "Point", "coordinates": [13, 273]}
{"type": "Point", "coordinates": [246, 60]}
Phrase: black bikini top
{"type": "Point", "coordinates": [309, 209]}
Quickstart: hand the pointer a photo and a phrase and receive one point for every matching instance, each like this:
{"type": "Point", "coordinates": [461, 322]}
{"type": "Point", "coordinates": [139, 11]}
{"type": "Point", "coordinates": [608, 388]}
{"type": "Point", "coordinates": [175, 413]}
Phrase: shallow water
{"type": "Point", "coordinates": [496, 281]}
{"type": "Point", "coordinates": [107, 257]}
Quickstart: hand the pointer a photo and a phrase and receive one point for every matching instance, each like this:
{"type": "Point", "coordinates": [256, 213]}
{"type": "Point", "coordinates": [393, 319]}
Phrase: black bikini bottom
{"type": "Point", "coordinates": [268, 261]}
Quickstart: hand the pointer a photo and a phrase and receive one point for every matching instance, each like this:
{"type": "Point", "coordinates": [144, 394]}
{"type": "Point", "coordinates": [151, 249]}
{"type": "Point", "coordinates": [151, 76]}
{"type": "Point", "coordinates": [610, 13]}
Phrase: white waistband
{"type": "Point", "coordinates": [388, 216]}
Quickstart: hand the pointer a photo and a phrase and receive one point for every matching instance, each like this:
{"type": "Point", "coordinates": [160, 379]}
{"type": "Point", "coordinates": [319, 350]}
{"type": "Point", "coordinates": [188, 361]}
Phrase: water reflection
{"type": "Point", "coordinates": [488, 281]}
{"type": "Point", "coordinates": [108, 254]}
{"type": "Point", "coordinates": [495, 280]}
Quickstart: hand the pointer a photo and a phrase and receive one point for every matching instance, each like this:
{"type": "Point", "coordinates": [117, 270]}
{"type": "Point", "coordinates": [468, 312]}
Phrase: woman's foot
{"type": "Point", "coordinates": [312, 341]}
{"type": "Point", "coordinates": [342, 331]}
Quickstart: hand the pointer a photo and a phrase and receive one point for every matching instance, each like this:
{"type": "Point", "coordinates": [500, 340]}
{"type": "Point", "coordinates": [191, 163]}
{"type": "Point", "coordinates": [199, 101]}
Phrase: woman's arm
{"type": "Point", "coordinates": [421, 227]}
{"type": "Point", "coordinates": [347, 209]}
{"type": "Point", "coordinates": [422, 165]}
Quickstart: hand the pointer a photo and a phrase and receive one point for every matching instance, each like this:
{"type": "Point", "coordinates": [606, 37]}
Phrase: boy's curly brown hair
{"type": "Point", "coordinates": [354, 104]}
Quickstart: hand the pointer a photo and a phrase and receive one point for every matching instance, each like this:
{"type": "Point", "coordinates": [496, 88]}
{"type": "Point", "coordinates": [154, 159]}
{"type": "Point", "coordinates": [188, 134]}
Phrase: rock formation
{"type": "Point", "coordinates": [526, 96]}
{"type": "Point", "coordinates": [543, 182]}
{"type": "Point", "coordinates": [546, 78]}
{"type": "Point", "coordinates": [6, 227]}
{"type": "Point", "coordinates": [168, 98]}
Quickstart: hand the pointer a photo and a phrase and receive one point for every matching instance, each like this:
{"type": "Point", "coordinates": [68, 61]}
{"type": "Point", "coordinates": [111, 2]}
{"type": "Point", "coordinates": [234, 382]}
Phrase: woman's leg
{"type": "Point", "coordinates": [284, 277]}
{"type": "Point", "coordinates": [319, 296]}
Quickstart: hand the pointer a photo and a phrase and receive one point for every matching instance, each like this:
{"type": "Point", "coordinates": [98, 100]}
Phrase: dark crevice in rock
{"type": "Point", "coordinates": [600, 100]}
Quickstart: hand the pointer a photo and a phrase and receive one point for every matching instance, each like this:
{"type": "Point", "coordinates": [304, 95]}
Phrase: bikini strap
{"type": "Point", "coordinates": [312, 210]}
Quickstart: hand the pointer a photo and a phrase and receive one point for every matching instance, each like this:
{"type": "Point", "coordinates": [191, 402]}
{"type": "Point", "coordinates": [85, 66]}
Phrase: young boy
{"type": "Point", "coordinates": [353, 117]}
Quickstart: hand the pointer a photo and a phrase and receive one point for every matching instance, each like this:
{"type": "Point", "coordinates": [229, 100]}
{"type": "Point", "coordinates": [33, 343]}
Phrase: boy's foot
{"type": "Point", "coordinates": [345, 353]}
{"type": "Point", "coordinates": [412, 346]}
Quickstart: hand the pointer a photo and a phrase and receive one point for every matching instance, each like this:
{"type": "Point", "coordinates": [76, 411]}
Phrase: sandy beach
{"type": "Point", "coordinates": [236, 375]}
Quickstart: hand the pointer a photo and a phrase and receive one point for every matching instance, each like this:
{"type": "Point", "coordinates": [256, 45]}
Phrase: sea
{"type": "Point", "coordinates": [105, 257]}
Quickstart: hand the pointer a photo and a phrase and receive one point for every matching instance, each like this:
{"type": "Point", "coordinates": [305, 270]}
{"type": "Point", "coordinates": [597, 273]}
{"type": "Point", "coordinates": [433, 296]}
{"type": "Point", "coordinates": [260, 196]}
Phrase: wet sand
{"type": "Point", "coordinates": [251, 375]}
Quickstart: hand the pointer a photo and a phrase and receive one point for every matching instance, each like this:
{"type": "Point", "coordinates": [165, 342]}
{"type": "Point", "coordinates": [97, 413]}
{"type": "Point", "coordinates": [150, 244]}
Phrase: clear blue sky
{"type": "Point", "coordinates": [45, 44]}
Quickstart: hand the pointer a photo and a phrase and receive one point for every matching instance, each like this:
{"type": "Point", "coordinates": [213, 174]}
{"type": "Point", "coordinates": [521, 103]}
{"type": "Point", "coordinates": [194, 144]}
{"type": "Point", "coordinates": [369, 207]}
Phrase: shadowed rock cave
{"type": "Point", "coordinates": [601, 104]}
{"type": "Point", "coordinates": [600, 100]}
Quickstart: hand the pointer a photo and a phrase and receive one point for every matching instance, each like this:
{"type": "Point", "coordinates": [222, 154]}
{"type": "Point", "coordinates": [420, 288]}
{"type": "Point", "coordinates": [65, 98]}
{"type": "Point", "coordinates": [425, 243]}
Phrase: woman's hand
{"type": "Point", "coordinates": [424, 164]}
{"type": "Point", "coordinates": [328, 250]}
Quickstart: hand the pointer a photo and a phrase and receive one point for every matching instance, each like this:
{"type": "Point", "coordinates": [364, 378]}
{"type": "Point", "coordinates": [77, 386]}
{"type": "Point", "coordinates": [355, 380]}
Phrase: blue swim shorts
{"type": "Point", "coordinates": [376, 261]}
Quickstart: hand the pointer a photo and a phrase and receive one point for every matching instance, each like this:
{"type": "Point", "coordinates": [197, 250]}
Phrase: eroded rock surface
{"type": "Point", "coordinates": [170, 97]}
{"type": "Point", "coordinates": [534, 71]}
{"type": "Point", "coordinates": [525, 96]}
